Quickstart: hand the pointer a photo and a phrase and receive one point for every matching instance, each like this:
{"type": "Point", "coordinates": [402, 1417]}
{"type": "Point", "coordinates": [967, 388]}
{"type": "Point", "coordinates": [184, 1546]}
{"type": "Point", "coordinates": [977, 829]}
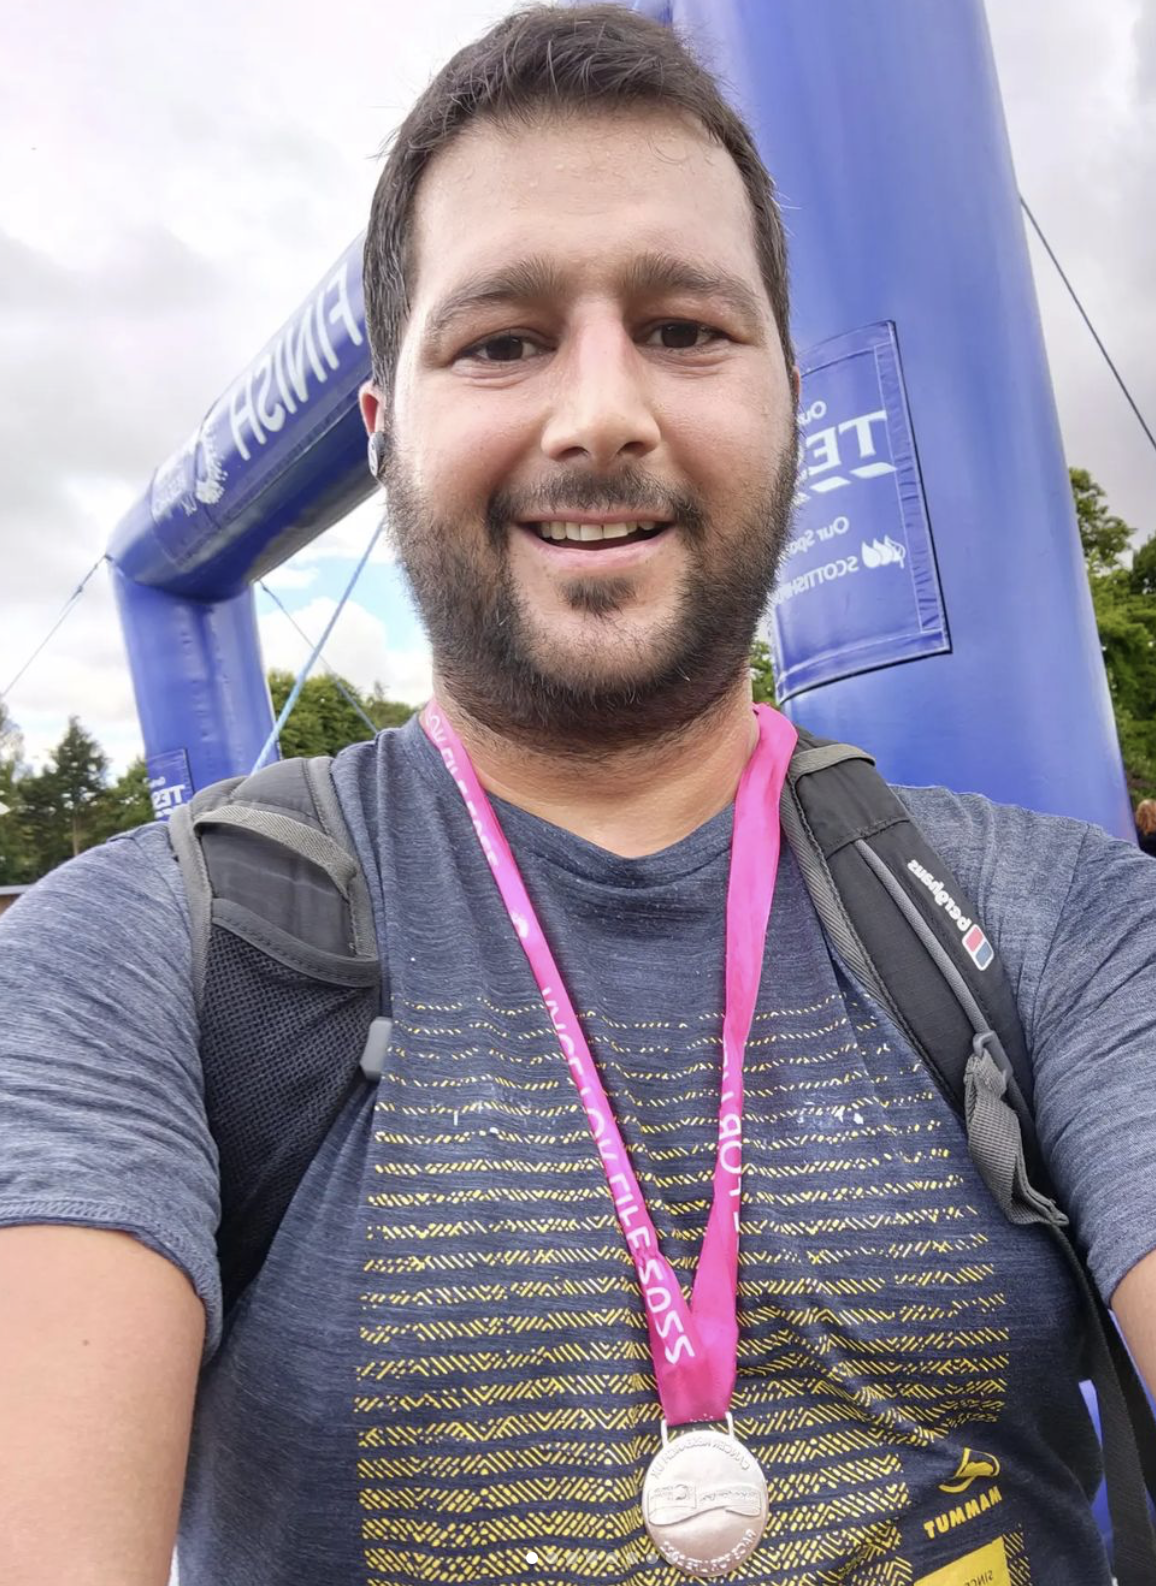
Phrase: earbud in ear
{"type": "Point", "coordinates": [375, 452]}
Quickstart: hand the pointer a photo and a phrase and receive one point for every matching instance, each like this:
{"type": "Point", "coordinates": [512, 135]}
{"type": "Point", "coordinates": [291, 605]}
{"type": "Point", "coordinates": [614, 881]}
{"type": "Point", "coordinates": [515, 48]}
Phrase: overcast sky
{"type": "Point", "coordinates": [175, 178]}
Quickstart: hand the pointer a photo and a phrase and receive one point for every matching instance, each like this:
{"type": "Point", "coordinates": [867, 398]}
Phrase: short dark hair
{"type": "Point", "coordinates": [546, 58]}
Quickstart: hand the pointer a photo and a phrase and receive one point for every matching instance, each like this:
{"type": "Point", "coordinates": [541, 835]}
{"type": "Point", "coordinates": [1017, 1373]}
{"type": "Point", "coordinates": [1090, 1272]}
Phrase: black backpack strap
{"type": "Point", "coordinates": [901, 923]}
{"type": "Point", "coordinates": [289, 986]}
{"type": "Point", "coordinates": [903, 926]}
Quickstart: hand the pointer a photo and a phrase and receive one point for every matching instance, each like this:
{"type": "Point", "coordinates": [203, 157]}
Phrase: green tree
{"type": "Point", "coordinates": [124, 804]}
{"type": "Point", "coordinates": [386, 712]}
{"type": "Point", "coordinates": [79, 767]}
{"type": "Point", "coordinates": [762, 675]}
{"type": "Point", "coordinates": [15, 858]}
{"type": "Point", "coordinates": [324, 719]}
{"type": "Point", "coordinates": [58, 807]}
{"type": "Point", "coordinates": [1124, 602]}
{"type": "Point", "coordinates": [1103, 535]}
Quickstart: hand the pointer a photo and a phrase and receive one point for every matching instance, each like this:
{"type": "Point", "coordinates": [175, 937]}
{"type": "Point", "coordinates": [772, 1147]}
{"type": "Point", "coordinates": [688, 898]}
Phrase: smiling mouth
{"type": "Point", "coordinates": [596, 536]}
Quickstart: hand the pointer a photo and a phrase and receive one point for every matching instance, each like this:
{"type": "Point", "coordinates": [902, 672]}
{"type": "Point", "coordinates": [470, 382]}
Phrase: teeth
{"type": "Point", "coordinates": [584, 532]}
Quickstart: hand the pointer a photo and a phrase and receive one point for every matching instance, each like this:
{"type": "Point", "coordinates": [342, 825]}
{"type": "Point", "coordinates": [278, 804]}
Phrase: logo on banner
{"type": "Point", "coordinates": [883, 553]}
{"type": "Point", "coordinates": [170, 784]}
{"type": "Point", "coordinates": [829, 459]}
{"type": "Point", "coordinates": [859, 508]}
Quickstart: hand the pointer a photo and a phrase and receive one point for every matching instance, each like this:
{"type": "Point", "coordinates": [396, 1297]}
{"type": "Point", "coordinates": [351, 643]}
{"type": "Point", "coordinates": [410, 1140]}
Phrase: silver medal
{"type": "Point", "coordinates": [704, 1501]}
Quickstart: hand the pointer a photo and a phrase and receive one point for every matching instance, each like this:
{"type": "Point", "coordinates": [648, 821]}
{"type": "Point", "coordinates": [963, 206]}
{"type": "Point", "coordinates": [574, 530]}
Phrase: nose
{"type": "Point", "coordinates": [603, 408]}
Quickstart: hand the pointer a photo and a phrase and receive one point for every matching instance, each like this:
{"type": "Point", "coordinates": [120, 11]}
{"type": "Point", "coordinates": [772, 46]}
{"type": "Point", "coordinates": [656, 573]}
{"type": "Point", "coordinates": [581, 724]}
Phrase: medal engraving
{"type": "Point", "coordinates": [704, 1502]}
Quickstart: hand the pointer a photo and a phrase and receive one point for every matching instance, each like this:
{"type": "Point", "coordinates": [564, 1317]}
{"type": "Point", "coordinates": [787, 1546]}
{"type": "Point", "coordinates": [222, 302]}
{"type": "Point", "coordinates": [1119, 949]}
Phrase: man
{"type": "Point", "coordinates": [457, 1359]}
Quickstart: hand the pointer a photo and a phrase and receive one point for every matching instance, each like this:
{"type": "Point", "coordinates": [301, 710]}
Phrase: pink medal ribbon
{"type": "Point", "coordinates": [694, 1347]}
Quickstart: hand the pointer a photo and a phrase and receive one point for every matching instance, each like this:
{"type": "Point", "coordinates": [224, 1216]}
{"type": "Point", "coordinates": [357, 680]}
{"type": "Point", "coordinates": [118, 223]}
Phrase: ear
{"type": "Point", "coordinates": [371, 401]}
{"type": "Point", "coordinates": [373, 413]}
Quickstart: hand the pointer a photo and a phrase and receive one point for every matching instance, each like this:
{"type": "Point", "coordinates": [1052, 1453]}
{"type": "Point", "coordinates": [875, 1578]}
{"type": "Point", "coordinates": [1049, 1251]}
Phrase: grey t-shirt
{"type": "Point", "coordinates": [441, 1372]}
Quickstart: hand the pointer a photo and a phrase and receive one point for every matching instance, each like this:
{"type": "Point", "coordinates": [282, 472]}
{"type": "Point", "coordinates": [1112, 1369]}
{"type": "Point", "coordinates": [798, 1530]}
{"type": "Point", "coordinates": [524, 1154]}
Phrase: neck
{"type": "Point", "coordinates": [632, 802]}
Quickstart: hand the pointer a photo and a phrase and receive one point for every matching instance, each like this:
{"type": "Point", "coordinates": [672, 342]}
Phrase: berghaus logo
{"type": "Point", "coordinates": [975, 943]}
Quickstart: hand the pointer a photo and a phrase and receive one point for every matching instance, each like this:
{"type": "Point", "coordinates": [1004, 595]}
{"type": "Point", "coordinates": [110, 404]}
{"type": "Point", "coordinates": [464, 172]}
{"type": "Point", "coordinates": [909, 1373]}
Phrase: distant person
{"type": "Point", "coordinates": [1146, 825]}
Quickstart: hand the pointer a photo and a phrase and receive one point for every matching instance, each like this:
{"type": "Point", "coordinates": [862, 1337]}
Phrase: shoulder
{"type": "Point", "coordinates": [394, 770]}
{"type": "Point", "coordinates": [1013, 861]}
{"type": "Point", "coordinates": [1061, 899]}
{"type": "Point", "coordinates": [109, 927]}
{"type": "Point", "coordinates": [1021, 849]}
{"type": "Point", "coordinates": [969, 826]}
{"type": "Point", "coordinates": [132, 882]}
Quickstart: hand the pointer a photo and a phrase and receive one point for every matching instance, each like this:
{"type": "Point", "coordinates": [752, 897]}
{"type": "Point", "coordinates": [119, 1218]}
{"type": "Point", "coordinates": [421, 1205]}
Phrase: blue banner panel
{"type": "Point", "coordinates": [858, 587]}
{"type": "Point", "coordinates": [277, 459]}
{"type": "Point", "coordinates": [170, 782]}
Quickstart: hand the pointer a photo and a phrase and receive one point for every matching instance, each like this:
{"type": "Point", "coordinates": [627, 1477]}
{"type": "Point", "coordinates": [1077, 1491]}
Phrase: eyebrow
{"type": "Point", "coordinates": [530, 280]}
{"type": "Point", "coordinates": [536, 280]}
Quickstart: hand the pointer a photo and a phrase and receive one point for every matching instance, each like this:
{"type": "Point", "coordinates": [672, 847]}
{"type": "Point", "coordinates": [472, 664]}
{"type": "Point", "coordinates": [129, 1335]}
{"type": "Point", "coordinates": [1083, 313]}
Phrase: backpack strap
{"type": "Point", "coordinates": [907, 932]}
{"type": "Point", "coordinates": [292, 804]}
{"type": "Point", "coordinates": [904, 927]}
{"type": "Point", "coordinates": [289, 986]}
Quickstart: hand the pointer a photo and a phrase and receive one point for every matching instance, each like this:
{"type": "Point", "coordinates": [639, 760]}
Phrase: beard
{"type": "Point", "coordinates": [501, 670]}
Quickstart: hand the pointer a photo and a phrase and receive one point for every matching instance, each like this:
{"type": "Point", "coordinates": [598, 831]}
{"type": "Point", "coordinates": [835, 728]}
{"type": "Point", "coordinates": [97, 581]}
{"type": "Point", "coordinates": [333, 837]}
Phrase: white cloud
{"type": "Point", "coordinates": [349, 537]}
{"type": "Point", "coordinates": [1076, 83]}
{"type": "Point", "coordinates": [82, 673]}
{"type": "Point", "coordinates": [294, 574]}
{"type": "Point", "coordinates": [168, 195]}
{"type": "Point", "coordinates": [359, 648]}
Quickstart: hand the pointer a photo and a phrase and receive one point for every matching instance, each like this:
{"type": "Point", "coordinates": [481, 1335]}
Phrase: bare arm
{"type": "Point", "coordinates": [1134, 1303]}
{"type": "Point", "coordinates": [100, 1343]}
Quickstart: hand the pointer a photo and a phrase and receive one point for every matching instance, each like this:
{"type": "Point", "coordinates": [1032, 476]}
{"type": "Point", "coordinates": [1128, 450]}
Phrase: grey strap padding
{"type": "Point", "coordinates": [376, 1048]}
{"type": "Point", "coordinates": [336, 969]}
{"type": "Point", "coordinates": [825, 894]}
{"type": "Point", "coordinates": [198, 890]}
{"type": "Point", "coordinates": [319, 776]}
{"type": "Point", "coordinates": [995, 1141]}
{"type": "Point", "coordinates": [821, 755]}
{"type": "Point", "coordinates": [317, 847]}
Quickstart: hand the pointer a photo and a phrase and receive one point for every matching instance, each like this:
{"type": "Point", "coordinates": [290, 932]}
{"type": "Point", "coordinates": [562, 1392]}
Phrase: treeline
{"type": "Point", "coordinates": [72, 803]}
{"type": "Point", "coordinates": [1124, 599]}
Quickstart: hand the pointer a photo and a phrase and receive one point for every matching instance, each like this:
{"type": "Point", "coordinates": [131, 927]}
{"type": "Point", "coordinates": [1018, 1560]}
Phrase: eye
{"type": "Point", "coordinates": [506, 348]}
{"type": "Point", "coordinates": [682, 335]}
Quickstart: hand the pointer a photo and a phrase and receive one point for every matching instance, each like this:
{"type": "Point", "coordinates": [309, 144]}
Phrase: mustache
{"type": "Point", "coordinates": [627, 490]}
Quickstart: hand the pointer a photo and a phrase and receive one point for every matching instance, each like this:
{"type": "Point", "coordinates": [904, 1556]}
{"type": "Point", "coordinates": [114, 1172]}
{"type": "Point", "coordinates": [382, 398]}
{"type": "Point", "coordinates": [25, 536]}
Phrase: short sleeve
{"type": "Point", "coordinates": [102, 1117]}
{"type": "Point", "coordinates": [1072, 912]}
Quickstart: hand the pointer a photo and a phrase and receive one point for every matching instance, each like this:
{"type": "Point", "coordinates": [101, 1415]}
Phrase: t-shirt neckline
{"type": "Point", "coordinates": [527, 833]}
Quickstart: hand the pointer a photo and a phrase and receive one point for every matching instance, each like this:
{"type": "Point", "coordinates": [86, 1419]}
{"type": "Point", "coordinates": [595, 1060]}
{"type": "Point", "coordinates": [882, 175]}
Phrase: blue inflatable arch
{"type": "Point", "coordinates": [933, 602]}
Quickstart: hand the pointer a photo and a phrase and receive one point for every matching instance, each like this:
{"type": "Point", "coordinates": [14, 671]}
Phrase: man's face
{"type": "Point", "coordinates": [592, 436]}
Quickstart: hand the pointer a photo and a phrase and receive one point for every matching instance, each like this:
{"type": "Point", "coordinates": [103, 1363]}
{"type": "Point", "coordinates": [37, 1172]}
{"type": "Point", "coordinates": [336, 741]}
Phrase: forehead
{"type": "Point", "coordinates": [589, 190]}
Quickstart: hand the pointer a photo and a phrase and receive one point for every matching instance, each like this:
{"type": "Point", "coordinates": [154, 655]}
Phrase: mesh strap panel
{"type": "Point", "coordinates": [281, 1052]}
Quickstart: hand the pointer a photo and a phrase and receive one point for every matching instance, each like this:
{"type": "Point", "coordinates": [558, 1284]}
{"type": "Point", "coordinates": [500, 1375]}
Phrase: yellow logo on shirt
{"type": "Point", "coordinates": [972, 1467]}
{"type": "Point", "coordinates": [987, 1566]}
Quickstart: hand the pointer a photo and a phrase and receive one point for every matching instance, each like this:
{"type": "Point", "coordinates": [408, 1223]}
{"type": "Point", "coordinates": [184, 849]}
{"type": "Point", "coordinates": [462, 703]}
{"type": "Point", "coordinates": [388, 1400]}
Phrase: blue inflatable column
{"type": "Point", "coordinates": [278, 458]}
{"type": "Point", "coordinates": [200, 688]}
{"type": "Point", "coordinates": [933, 604]}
